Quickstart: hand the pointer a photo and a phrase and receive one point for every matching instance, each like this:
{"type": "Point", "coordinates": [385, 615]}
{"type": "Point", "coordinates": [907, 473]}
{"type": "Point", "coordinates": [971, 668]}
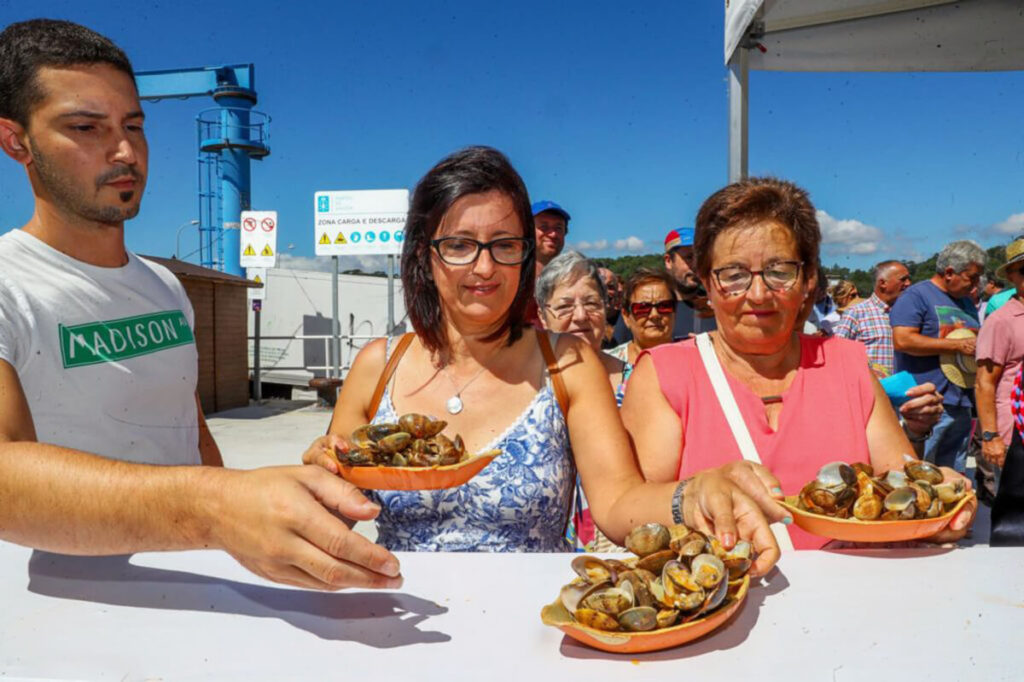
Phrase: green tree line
{"type": "Point", "coordinates": [624, 266]}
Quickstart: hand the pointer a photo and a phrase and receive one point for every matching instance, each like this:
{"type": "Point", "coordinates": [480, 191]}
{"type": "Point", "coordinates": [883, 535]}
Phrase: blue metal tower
{"type": "Point", "coordinates": [229, 135]}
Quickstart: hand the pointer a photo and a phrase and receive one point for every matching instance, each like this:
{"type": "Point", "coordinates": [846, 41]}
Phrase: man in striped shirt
{"type": "Point", "coordinates": [868, 321]}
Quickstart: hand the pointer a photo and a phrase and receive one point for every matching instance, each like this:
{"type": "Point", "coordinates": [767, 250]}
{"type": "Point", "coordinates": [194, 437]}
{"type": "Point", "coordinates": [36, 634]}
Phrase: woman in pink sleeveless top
{"type": "Point", "coordinates": [805, 400]}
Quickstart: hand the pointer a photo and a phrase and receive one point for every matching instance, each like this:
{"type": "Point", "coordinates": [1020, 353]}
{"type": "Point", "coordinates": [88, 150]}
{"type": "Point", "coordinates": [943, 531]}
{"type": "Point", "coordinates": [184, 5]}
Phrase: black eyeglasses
{"type": "Point", "coordinates": [778, 276]}
{"type": "Point", "coordinates": [644, 308]}
{"type": "Point", "coordinates": [463, 250]}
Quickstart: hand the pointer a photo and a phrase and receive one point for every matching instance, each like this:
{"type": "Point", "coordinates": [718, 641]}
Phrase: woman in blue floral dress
{"type": "Point", "coordinates": [468, 273]}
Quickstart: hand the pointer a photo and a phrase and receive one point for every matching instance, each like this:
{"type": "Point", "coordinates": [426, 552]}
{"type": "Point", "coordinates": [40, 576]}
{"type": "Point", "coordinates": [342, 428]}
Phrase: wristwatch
{"type": "Point", "coordinates": [986, 436]}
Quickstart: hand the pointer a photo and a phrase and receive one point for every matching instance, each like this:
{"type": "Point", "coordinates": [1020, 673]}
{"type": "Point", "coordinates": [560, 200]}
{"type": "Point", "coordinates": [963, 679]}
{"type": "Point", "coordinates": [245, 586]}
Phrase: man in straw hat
{"type": "Point", "coordinates": [934, 329]}
{"type": "Point", "coordinates": [1000, 352]}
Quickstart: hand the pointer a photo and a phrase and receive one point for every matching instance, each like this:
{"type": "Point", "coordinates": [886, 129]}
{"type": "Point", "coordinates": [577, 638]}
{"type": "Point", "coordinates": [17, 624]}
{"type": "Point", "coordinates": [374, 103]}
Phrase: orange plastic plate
{"type": "Point", "coordinates": [855, 530]}
{"type": "Point", "coordinates": [556, 615]}
{"type": "Point", "coordinates": [416, 478]}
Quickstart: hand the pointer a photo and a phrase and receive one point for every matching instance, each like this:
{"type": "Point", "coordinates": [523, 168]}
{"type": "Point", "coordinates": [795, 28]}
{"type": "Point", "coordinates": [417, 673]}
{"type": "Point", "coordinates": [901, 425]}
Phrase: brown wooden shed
{"type": "Point", "coordinates": [222, 311]}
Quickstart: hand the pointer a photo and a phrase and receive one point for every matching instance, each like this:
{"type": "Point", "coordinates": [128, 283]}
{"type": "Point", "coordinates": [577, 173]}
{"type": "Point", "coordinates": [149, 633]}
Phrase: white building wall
{"type": "Point", "coordinates": [298, 302]}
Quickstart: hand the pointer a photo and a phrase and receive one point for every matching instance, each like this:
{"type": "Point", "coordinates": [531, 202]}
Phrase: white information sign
{"type": "Point", "coordinates": [360, 222]}
{"type": "Point", "coordinates": [258, 239]}
{"type": "Point", "coordinates": [258, 275]}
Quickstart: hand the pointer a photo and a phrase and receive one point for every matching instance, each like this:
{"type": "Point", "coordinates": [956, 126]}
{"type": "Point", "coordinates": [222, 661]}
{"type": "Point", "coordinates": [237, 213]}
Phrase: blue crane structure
{"type": "Point", "coordinates": [230, 135]}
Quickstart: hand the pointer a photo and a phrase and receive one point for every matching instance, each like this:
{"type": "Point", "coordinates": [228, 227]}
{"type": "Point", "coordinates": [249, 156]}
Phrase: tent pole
{"type": "Point", "coordinates": [738, 81]}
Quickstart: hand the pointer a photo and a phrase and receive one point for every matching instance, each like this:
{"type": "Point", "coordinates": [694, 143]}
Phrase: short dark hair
{"type": "Point", "coordinates": [473, 170]}
{"type": "Point", "coordinates": [755, 200]}
{"type": "Point", "coordinates": [28, 46]}
{"type": "Point", "coordinates": [645, 276]}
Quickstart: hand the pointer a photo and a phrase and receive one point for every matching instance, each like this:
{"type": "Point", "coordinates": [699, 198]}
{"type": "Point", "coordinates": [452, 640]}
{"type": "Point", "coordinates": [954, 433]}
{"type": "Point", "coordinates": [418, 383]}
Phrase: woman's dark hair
{"type": "Point", "coordinates": [755, 200]}
{"type": "Point", "coordinates": [645, 276]}
{"type": "Point", "coordinates": [28, 46]}
{"type": "Point", "coordinates": [472, 170]}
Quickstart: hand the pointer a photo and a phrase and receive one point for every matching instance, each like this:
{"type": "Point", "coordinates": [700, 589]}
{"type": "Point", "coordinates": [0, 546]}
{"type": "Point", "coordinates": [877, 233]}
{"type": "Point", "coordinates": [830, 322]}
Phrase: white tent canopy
{"type": "Point", "coordinates": [863, 35]}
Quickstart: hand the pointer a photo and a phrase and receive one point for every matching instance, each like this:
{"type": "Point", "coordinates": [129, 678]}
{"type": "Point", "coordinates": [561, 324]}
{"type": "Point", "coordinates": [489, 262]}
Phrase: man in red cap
{"type": "Point", "coordinates": [693, 315]}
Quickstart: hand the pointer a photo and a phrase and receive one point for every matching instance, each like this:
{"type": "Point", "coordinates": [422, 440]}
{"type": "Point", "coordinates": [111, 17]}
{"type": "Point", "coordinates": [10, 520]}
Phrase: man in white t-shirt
{"type": "Point", "coordinates": [98, 359]}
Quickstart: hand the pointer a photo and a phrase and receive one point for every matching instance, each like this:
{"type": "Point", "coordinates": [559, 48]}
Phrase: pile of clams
{"type": "Point", "coordinates": [918, 492]}
{"type": "Point", "coordinates": [678, 576]}
{"type": "Point", "coordinates": [415, 441]}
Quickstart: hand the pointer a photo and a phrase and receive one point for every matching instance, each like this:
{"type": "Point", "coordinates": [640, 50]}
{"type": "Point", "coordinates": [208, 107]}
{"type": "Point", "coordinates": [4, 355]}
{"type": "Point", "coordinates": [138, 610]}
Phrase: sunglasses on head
{"type": "Point", "coordinates": [643, 308]}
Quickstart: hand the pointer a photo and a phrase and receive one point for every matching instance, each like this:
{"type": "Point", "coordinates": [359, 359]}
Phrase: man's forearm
{"type": "Point", "coordinates": [985, 395]}
{"type": "Point", "coordinates": [915, 343]}
{"type": "Point", "coordinates": [66, 501]}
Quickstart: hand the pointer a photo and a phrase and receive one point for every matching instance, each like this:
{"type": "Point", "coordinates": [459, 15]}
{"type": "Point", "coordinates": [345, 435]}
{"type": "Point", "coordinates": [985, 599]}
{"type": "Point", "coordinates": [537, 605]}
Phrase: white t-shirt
{"type": "Point", "coordinates": [106, 356]}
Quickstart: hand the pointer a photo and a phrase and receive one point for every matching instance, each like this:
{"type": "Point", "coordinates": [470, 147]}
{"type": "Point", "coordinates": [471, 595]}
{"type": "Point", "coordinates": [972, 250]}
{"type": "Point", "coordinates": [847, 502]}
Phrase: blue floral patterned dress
{"type": "Point", "coordinates": [518, 503]}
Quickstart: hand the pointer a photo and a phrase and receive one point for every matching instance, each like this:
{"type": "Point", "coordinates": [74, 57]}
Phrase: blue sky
{"type": "Point", "coordinates": [615, 110]}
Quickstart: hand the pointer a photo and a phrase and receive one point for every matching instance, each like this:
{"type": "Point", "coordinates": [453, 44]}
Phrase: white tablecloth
{"type": "Point", "coordinates": [949, 615]}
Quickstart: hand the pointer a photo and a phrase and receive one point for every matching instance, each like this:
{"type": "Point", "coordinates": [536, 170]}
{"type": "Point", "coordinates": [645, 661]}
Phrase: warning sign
{"type": "Point", "coordinates": [363, 221]}
{"type": "Point", "coordinates": [259, 246]}
{"type": "Point", "coordinates": [258, 276]}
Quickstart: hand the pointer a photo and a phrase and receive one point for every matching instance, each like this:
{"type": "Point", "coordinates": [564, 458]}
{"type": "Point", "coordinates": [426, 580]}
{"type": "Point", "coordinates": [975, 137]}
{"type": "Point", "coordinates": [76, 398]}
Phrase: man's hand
{"type": "Point", "coordinates": [923, 410]}
{"type": "Point", "coordinates": [994, 451]}
{"type": "Point", "coordinates": [281, 524]}
{"type": "Point", "coordinates": [966, 346]}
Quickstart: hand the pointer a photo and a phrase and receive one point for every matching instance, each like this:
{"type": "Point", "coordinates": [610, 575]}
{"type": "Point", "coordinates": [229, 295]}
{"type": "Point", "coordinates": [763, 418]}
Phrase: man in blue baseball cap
{"type": "Point", "coordinates": [551, 222]}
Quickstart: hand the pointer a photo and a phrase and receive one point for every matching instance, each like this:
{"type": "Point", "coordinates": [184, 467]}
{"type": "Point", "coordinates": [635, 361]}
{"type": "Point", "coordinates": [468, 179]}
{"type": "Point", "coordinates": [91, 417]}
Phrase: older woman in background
{"type": "Point", "coordinates": [572, 298]}
{"type": "Point", "coordinates": [803, 400]}
{"type": "Point", "coordinates": [649, 310]}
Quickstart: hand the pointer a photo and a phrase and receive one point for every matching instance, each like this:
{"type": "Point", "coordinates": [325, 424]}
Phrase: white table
{"type": "Point", "coordinates": [952, 615]}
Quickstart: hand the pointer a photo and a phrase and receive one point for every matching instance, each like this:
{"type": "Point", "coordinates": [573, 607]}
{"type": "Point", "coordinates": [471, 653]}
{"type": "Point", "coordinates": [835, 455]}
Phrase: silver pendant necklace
{"type": "Point", "coordinates": [454, 404]}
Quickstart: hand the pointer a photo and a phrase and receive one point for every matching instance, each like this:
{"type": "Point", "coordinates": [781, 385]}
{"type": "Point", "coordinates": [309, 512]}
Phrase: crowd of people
{"type": "Point", "coordinates": [688, 394]}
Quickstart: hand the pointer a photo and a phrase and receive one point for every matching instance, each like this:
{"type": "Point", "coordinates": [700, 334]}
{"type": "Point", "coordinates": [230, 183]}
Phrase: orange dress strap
{"type": "Point", "coordinates": [554, 371]}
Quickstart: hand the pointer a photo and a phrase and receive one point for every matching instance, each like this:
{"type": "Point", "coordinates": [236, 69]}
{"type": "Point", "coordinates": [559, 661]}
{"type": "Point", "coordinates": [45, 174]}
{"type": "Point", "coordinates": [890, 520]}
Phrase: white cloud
{"type": "Point", "coordinates": [630, 243]}
{"type": "Point", "coordinates": [325, 264]}
{"type": "Point", "coordinates": [599, 245]}
{"type": "Point", "coordinates": [1013, 225]}
{"type": "Point", "coordinates": [848, 236]}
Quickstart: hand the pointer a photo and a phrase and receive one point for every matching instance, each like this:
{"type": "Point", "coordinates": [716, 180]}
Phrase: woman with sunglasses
{"type": "Point", "coordinates": [649, 313]}
{"type": "Point", "coordinates": [468, 273]}
{"type": "Point", "coordinates": [798, 401]}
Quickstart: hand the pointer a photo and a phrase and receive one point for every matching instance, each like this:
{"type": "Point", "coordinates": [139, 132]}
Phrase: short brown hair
{"type": "Point", "coordinates": [644, 276]}
{"type": "Point", "coordinates": [751, 201]}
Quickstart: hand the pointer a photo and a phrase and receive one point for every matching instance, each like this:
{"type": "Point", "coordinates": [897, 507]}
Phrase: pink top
{"type": "Point", "coordinates": [1001, 340]}
{"type": "Point", "coordinates": [824, 414]}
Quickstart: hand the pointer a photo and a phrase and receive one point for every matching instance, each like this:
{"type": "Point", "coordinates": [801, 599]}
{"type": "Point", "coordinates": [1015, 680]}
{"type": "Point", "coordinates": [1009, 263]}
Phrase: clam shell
{"type": "Point", "coordinates": [648, 539]}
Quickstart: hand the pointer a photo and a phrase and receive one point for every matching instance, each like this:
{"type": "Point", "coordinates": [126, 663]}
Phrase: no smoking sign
{"type": "Point", "coordinates": [258, 239]}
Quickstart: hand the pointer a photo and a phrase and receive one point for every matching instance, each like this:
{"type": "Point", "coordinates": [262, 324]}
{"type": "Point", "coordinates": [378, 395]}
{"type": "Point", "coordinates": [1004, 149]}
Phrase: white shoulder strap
{"type": "Point", "coordinates": [732, 415]}
{"type": "Point", "coordinates": [726, 399]}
